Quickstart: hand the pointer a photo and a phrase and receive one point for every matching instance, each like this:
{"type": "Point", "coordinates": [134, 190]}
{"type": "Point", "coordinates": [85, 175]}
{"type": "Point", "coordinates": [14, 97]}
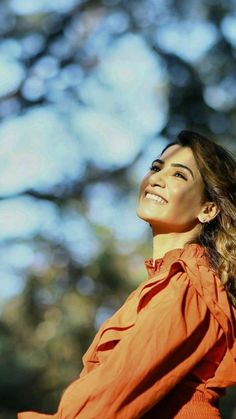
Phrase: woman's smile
{"type": "Point", "coordinates": [155, 198]}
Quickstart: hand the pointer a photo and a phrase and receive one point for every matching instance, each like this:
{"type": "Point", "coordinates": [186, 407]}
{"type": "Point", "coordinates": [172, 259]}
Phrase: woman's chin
{"type": "Point", "coordinates": [142, 214]}
{"type": "Point", "coordinates": [159, 225]}
{"type": "Point", "coordinates": [145, 216]}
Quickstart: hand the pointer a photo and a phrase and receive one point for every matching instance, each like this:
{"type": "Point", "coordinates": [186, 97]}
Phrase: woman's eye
{"type": "Point", "coordinates": [179, 174]}
{"type": "Point", "coordinates": [176, 174]}
{"type": "Point", "coordinates": [154, 168]}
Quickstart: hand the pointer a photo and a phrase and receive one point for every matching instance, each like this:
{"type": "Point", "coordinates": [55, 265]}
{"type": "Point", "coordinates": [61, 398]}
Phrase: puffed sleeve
{"type": "Point", "coordinates": [173, 332]}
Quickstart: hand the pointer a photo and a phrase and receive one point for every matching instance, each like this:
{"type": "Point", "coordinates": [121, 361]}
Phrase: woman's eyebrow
{"type": "Point", "coordinates": [183, 167]}
{"type": "Point", "coordinates": [176, 165]}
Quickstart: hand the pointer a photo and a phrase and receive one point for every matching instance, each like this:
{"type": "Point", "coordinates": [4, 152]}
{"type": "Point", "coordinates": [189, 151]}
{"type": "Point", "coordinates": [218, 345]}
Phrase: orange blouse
{"type": "Point", "coordinates": [168, 352]}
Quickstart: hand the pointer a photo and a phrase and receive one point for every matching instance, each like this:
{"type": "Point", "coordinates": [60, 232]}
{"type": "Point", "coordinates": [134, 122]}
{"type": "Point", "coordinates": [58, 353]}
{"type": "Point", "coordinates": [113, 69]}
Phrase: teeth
{"type": "Point", "coordinates": [156, 198]}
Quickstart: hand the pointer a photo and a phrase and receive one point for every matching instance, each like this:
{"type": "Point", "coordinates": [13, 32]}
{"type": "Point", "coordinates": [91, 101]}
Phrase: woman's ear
{"type": "Point", "coordinates": [209, 211]}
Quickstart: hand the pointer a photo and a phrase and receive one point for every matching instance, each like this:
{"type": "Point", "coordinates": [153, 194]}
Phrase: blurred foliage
{"type": "Point", "coordinates": [58, 44]}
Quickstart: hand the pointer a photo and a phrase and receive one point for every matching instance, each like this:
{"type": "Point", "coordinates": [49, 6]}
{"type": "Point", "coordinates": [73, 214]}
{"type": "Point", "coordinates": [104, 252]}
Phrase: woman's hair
{"type": "Point", "coordinates": [218, 171]}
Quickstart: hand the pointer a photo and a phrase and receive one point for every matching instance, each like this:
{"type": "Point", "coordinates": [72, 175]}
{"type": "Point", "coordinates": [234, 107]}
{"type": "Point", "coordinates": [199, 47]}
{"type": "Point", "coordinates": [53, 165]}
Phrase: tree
{"type": "Point", "coordinates": [104, 84]}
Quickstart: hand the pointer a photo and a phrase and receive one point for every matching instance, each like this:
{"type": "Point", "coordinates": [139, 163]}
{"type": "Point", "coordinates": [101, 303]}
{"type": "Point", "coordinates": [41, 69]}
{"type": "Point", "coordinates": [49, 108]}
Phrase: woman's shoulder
{"type": "Point", "coordinates": [208, 285]}
{"type": "Point", "coordinates": [193, 262]}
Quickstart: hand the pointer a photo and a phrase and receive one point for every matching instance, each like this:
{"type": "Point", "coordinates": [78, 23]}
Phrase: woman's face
{"type": "Point", "coordinates": [171, 193]}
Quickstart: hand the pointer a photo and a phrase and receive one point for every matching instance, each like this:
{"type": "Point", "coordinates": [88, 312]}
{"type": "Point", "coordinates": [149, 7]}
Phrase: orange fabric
{"type": "Point", "coordinates": [168, 352]}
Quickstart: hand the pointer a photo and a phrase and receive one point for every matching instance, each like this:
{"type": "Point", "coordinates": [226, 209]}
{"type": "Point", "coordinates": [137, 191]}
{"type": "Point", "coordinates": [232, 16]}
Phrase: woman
{"type": "Point", "coordinates": [170, 350]}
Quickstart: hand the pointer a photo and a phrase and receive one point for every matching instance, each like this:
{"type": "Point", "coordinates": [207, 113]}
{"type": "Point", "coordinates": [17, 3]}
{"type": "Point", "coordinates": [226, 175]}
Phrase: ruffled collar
{"type": "Point", "coordinates": [192, 250]}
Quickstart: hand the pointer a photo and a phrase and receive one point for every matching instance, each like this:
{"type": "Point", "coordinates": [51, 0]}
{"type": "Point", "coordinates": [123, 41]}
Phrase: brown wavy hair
{"type": "Point", "coordinates": [217, 167]}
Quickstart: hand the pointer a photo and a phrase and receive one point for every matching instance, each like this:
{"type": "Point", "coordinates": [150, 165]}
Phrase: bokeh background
{"type": "Point", "coordinates": [90, 92]}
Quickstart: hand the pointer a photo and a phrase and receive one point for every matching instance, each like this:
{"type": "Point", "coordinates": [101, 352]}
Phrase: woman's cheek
{"type": "Point", "coordinates": [143, 184]}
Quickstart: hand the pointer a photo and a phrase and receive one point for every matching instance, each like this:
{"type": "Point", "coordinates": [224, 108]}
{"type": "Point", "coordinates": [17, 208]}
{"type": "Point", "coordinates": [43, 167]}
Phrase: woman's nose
{"type": "Point", "coordinates": [157, 179]}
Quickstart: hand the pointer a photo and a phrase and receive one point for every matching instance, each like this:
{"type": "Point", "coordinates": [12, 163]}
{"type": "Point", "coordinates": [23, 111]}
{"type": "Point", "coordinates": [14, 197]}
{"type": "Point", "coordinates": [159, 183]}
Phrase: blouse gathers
{"type": "Point", "coordinates": [168, 352]}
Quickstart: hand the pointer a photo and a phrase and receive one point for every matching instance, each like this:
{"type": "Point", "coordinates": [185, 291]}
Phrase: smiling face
{"type": "Point", "coordinates": [171, 193]}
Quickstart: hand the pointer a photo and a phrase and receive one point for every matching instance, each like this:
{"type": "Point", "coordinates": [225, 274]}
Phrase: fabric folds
{"type": "Point", "coordinates": [175, 331]}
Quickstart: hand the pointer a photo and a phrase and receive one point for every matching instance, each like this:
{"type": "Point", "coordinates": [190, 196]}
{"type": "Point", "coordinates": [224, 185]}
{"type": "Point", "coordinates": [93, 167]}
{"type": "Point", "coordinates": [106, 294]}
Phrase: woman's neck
{"type": "Point", "coordinates": [164, 242]}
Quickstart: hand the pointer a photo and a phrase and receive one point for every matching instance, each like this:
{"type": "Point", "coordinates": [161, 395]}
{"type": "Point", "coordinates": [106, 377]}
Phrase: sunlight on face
{"type": "Point", "coordinates": [171, 192]}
